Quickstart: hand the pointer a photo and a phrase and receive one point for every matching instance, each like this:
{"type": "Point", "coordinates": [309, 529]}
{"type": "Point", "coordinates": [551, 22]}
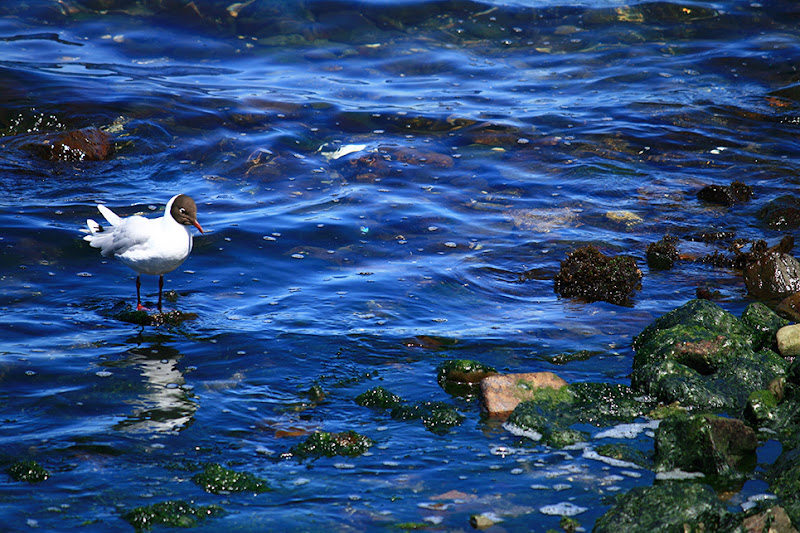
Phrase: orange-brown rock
{"type": "Point", "coordinates": [87, 144]}
{"type": "Point", "coordinates": [501, 393]}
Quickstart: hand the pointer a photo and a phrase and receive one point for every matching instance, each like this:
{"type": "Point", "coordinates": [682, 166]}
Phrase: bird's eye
{"type": "Point", "coordinates": [183, 210]}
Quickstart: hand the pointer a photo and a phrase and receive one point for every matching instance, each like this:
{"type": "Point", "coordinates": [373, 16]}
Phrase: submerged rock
{"type": "Point", "coordinates": [217, 479]}
{"type": "Point", "coordinates": [378, 397]}
{"type": "Point", "coordinates": [781, 213]}
{"type": "Point", "coordinates": [726, 195]}
{"type": "Point", "coordinates": [590, 275]}
{"type": "Point", "coordinates": [462, 377]}
{"type": "Point", "coordinates": [324, 444]}
{"type": "Point", "coordinates": [144, 318]}
{"type": "Point", "coordinates": [501, 393]}
{"type": "Point", "coordinates": [87, 144]}
{"type": "Point", "coordinates": [29, 471]}
{"type": "Point", "coordinates": [666, 508]}
{"type": "Point", "coordinates": [438, 417]}
{"type": "Point", "coordinates": [174, 513]}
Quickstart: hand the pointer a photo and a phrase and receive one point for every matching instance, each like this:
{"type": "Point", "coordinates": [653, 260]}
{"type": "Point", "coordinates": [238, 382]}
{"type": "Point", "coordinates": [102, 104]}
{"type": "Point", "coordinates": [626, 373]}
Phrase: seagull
{"type": "Point", "coordinates": [152, 246]}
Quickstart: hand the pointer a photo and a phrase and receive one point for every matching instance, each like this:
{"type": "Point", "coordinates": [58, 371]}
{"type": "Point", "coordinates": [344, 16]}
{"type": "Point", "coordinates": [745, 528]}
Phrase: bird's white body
{"type": "Point", "coordinates": [152, 246]}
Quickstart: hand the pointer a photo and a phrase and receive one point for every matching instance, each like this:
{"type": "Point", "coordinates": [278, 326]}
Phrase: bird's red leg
{"type": "Point", "coordinates": [160, 286]}
{"type": "Point", "coordinates": [139, 306]}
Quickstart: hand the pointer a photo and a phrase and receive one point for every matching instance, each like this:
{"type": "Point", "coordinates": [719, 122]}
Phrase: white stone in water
{"type": "Point", "coordinates": [562, 509]}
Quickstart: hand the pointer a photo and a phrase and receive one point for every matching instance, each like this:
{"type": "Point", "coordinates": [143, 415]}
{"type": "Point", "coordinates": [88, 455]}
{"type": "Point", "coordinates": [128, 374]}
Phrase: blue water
{"type": "Point", "coordinates": [486, 141]}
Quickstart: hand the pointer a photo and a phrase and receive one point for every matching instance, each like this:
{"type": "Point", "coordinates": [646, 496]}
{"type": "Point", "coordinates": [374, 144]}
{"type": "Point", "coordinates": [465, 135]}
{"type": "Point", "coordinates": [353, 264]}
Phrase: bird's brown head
{"type": "Point", "coordinates": [184, 211]}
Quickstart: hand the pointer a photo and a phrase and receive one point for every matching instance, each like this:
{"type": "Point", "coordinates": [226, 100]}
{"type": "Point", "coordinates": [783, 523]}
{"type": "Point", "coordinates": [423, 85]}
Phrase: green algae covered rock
{"type": "Point", "coordinates": [700, 313]}
{"type": "Point", "coordinates": [462, 377]}
{"type": "Point", "coordinates": [764, 322]}
{"type": "Point", "coordinates": [217, 479]}
{"type": "Point", "coordinates": [438, 417]}
{"type": "Point", "coordinates": [552, 413]}
{"type": "Point", "coordinates": [667, 508]}
{"type": "Point", "coordinates": [784, 477]}
{"type": "Point", "coordinates": [378, 397]}
{"type": "Point", "coordinates": [324, 444]}
{"type": "Point", "coordinates": [718, 447]}
{"type": "Point", "coordinates": [174, 513]}
{"type": "Point", "coordinates": [702, 356]}
{"type": "Point", "coordinates": [29, 471]}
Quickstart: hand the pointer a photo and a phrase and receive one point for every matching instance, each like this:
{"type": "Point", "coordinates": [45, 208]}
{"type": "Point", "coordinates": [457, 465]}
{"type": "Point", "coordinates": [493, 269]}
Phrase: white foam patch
{"type": "Point", "coordinates": [679, 474]}
{"type": "Point", "coordinates": [520, 432]}
{"type": "Point", "coordinates": [591, 454]}
{"type": "Point", "coordinates": [627, 431]}
{"type": "Point", "coordinates": [562, 509]}
{"type": "Point", "coordinates": [753, 500]}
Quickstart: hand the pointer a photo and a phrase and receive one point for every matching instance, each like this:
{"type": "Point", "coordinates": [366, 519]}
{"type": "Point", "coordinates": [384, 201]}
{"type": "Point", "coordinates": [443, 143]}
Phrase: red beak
{"type": "Point", "coordinates": [196, 224]}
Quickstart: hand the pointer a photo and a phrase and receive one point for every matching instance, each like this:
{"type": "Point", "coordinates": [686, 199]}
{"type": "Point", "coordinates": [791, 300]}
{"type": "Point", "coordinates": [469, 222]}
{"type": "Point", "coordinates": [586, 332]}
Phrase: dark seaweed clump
{"type": "Point", "coordinates": [590, 275]}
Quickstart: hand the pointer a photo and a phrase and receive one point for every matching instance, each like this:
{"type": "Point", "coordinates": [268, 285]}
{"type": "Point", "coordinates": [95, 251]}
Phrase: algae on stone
{"type": "Point", "coordinates": [666, 508]}
{"type": "Point", "coordinates": [217, 479]}
{"type": "Point", "coordinates": [702, 356]}
{"type": "Point", "coordinates": [324, 444]}
{"type": "Point", "coordinates": [462, 377]}
{"type": "Point", "coordinates": [552, 413]}
{"type": "Point", "coordinates": [378, 397]}
{"type": "Point", "coordinates": [173, 513]}
{"type": "Point", "coordinates": [29, 471]}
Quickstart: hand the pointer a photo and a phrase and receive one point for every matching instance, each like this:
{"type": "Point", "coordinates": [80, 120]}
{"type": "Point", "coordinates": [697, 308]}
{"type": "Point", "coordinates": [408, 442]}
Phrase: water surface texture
{"type": "Point", "coordinates": [384, 186]}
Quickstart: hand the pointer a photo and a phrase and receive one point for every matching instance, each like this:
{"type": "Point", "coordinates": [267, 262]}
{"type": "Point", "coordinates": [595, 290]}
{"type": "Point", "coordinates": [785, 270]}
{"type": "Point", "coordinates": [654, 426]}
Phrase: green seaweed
{"type": "Point", "coordinates": [378, 397]}
{"type": "Point", "coordinates": [172, 513]}
{"type": "Point", "coordinates": [29, 471]}
{"type": "Point", "coordinates": [324, 444]}
{"type": "Point", "coordinates": [217, 479]}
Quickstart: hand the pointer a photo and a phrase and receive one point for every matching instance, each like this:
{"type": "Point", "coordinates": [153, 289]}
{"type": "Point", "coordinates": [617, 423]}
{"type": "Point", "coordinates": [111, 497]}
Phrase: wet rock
{"type": "Point", "coordinates": [88, 144]}
{"type": "Point", "coordinates": [462, 377]}
{"type": "Point", "coordinates": [789, 307]}
{"type": "Point", "coordinates": [378, 397]}
{"type": "Point", "coordinates": [501, 393]}
{"type": "Point", "coordinates": [549, 416]}
{"type": "Point", "coordinates": [437, 417]}
{"type": "Point", "coordinates": [144, 318]}
{"type": "Point", "coordinates": [764, 322]}
{"type": "Point", "coordinates": [324, 444]}
{"type": "Point", "coordinates": [590, 275]}
{"type": "Point", "coordinates": [29, 471]}
{"type": "Point", "coordinates": [788, 338]}
{"type": "Point", "coordinates": [709, 444]}
{"type": "Point", "coordinates": [217, 479]}
{"type": "Point", "coordinates": [781, 213]}
{"type": "Point", "coordinates": [666, 508]}
{"type": "Point", "coordinates": [726, 195]}
{"type": "Point", "coordinates": [761, 408]}
{"type": "Point", "coordinates": [661, 255]}
{"type": "Point", "coordinates": [784, 478]}
{"type": "Point", "coordinates": [772, 276]}
{"type": "Point", "coordinates": [772, 520]}
{"type": "Point", "coordinates": [482, 521]}
{"type": "Point", "coordinates": [173, 513]}
{"type": "Point", "coordinates": [702, 356]}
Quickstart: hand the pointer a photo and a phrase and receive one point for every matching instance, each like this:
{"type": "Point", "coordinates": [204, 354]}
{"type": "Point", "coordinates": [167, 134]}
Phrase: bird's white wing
{"type": "Point", "coordinates": [109, 215]}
